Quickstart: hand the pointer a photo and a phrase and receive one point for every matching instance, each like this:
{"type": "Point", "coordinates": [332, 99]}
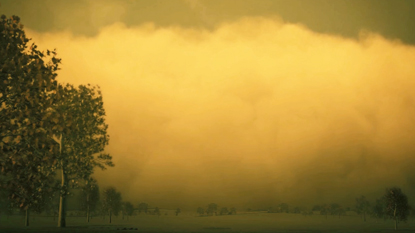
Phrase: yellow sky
{"type": "Point", "coordinates": [252, 113]}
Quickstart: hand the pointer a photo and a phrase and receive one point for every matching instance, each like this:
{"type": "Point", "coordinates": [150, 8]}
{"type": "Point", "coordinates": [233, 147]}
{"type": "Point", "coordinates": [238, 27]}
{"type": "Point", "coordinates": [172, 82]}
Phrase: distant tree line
{"type": "Point", "coordinates": [212, 209]}
{"type": "Point", "coordinates": [392, 205]}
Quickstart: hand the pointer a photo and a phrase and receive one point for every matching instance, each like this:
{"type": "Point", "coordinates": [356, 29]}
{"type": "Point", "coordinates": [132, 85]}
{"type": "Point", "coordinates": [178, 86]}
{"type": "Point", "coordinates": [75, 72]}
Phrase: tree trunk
{"type": "Point", "coordinates": [110, 216]}
{"type": "Point", "coordinates": [27, 218]}
{"type": "Point", "coordinates": [87, 207]}
{"type": "Point", "coordinates": [396, 219]}
{"type": "Point", "coordinates": [62, 199]}
{"type": "Point", "coordinates": [62, 202]}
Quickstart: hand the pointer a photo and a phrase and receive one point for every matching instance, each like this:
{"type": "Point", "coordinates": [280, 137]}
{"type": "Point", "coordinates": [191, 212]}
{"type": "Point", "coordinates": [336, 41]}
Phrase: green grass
{"type": "Point", "coordinates": [189, 222]}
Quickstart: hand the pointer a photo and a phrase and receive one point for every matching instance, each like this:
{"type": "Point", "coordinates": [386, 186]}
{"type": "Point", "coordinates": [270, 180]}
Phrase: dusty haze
{"type": "Point", "coordinates": [250, 114]}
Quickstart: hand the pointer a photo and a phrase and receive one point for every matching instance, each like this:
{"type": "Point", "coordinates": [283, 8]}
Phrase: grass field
{"type": "Point", "coordinates": [189, 222]}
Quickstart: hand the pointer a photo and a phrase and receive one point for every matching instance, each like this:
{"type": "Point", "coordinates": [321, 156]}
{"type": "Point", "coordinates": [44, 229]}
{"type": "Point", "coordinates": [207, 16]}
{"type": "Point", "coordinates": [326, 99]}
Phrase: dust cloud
{"type": "Point", "coordinates": [251, 114]}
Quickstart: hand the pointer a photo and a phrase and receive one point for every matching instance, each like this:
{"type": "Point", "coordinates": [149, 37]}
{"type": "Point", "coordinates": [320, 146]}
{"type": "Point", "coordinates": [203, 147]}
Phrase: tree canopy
{"type": "Point", "coordinates": [362, 206]}
{"type": "Point", "coordinates": [27, 93]}
{"type": "Point", "coordinates": [84, 131]}
{"type": "Point", "coordinates": [397, 207]}
{"type": "Point", "coordinates": [111, 201]}
{"type": "Point", "coordinates": [212, 209]}
{"type": "Point", "coordinates": [142, 207]}
{"type": "Point", "coordinates": [44, 126]}
{"type": "Point", "coordinates": [89, 197]}
{"type": "Point", "coordinates": [128, 208]}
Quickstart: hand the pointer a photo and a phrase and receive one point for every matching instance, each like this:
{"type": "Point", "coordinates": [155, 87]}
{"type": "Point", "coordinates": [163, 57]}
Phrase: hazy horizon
{"type": "Point", "coordinates": [245, 109]}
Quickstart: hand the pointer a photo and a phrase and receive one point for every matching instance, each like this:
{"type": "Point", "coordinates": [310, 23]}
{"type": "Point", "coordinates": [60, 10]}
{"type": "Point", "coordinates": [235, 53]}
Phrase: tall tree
{"type": "Point", "coordinates": [27, 93]}
{"type": "Point", "coordinates": [178, 211]}
{"type": "Point", "coordinates": [142, 207]}
{"type": "Point", "coordinates": [33, 108]}
{"type": "Point", "coordinates": [341, 211]}
{"type": "Point", "coordinates": [200, 211]}
{"type": "Point", "coordinates": [128, 209]}
{"type": "Point", "coordinates": [333, 208]}
{"type": "Point", "coordinates": [89, 197]}
{"type": "Point", "coordinates": [212, 209]}
{"type": "Point", "coordinates": [82, 135]}
{"type": "Point", "coordinates": [362, 206]}
{"type": "Point", "coordinates": [224, 210]}
{"type": "Point", "coordinates": [317, 208]}
{"type": "Point", "coordinates": [111, 201]}
{"type": "Point", "coordinates": [283, 208]}
{"type": "Point", "coordinates": [325, 209]}
{"type": "Point", "coordinates": [156, 211]}
{"type": "Point", "coordinates": [378, 210]}
{"type": "Point", "coordinates": [397, 207]}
